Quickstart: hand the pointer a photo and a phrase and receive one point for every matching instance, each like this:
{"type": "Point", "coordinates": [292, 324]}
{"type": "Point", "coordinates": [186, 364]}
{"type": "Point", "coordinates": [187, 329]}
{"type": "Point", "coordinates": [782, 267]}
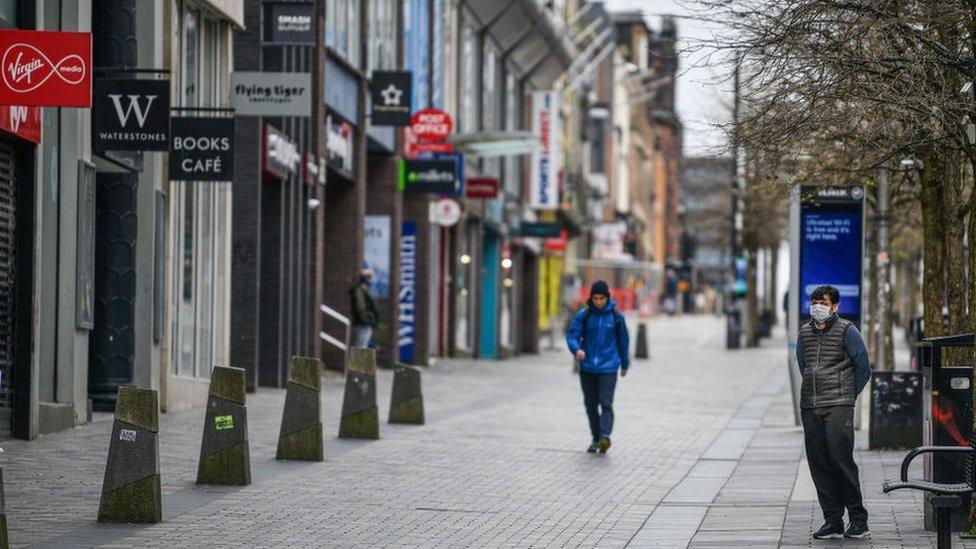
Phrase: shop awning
{"type": "Point", "coordinates": [489, 144]}
{"type": "Point", "coordinates": [530, 35]}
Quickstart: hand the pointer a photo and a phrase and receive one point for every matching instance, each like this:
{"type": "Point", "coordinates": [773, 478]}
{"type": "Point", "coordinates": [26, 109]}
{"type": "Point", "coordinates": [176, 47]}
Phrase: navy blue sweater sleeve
{"type": "Point", "coordinates": [859, 356]}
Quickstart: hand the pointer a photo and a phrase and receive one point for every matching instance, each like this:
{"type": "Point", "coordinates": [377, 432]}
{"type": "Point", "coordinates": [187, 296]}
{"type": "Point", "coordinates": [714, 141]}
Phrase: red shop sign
{"type": "Point", "coordinates": [45, 68]}
{"type": "Point", "coordinates": [24, 122]}
{"type": "Point", "coordinates": [431, 125]}
{"type": "Point", "coordinates": [481, 187]}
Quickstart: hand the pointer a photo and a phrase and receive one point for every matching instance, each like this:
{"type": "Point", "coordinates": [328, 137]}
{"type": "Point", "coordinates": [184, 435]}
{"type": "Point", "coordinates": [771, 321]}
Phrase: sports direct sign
{"type": "Point", "coordinates": [544, 182]}
{"type": "Point", "coordinates": [45, 69]}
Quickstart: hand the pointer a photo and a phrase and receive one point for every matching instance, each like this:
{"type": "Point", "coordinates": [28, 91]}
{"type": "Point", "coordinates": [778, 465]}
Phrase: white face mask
{"type": "Point", "coordinates": [820, 312]}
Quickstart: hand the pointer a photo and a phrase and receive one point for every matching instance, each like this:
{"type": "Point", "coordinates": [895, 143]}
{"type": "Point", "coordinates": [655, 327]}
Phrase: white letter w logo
{"type": "Point", "coordinates": [133, 106]}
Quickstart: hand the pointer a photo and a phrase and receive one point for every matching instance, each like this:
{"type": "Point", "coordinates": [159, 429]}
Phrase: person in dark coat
{"type": "Point", "coordinates": [598, 339]}
{"type": "Point", "coordinates": [365, 317]}
{"type": "Point", "coordinates": [833, 361]}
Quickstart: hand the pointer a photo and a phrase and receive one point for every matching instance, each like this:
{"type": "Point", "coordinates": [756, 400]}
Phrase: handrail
{"type": "Point", "coordinates": [343, 346]}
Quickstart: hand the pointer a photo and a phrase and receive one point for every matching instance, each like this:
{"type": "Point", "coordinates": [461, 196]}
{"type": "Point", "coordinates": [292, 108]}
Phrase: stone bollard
{"type": "Point", "coordinates": [407, 401]}
{"type": "Point", "coordinates": [131, 490]}
{"type": "Point", "coordinates": [4, 540]}
{"type": "Point", "coordinates": [225, 456]}
{"type": "Point", "coordinates": [360, 417]}
{"type": "Point", "coordinates": [642, 350]}
{"type": "Point", "coordinates": [300, 436]}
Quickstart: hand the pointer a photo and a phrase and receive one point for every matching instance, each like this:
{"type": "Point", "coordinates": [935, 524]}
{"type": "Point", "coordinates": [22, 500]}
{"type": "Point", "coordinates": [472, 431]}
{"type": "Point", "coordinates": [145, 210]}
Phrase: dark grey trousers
{"type": "Point", "coordinates": [828, 434]}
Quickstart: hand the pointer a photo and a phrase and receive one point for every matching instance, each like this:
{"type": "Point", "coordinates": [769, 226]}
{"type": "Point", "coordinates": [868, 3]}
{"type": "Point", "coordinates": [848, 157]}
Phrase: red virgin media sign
{"type": "Point", "coordinates": [24, 122]}
{"type": "Point", "coordinates": [45, 69]}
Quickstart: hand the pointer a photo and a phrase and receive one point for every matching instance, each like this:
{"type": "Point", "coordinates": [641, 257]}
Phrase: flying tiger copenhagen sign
{"type": "Point", "coordinates": [45, 68]}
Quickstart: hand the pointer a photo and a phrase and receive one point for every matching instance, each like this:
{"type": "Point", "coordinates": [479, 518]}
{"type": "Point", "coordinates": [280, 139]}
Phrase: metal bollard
{"type": "Point", "coordinates": [225, 456]}
{"type": "Point", "coordinates": [642, 350]}
{"type": "Point", "coordinates": [131, 488]}
{"type": "Point", "coordinates": [300, 437]}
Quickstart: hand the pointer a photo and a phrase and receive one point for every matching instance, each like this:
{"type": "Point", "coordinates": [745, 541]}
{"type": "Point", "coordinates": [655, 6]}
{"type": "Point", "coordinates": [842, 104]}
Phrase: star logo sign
{"type": "Point", "coordinates": [391, 95]}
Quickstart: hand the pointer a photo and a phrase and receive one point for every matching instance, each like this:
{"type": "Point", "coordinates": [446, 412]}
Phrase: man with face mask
{"type": "Point", "coordinates": [834, 363]}
{"type": "Point", "coordinates": [365, 317]}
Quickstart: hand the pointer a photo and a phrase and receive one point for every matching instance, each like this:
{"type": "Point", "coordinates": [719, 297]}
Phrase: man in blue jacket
{"type": "Point", "coordinates": [834, 364]}
{"type": "Point", "coordinates": [599, 341]}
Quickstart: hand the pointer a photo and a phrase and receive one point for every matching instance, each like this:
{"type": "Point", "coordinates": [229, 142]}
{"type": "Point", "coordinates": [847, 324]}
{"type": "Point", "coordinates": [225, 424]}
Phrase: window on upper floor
{"type": "Point", "coordinates": [342, 29]}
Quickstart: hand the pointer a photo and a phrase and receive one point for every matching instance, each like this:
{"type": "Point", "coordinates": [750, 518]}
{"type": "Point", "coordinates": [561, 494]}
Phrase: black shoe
{"type": "Point", "coordinates": [594, 446]}
{"type": "Point", "coordinates": [830, 531]}
{"type": "Point", "coordinates": [857, 529]}
{"type": "Point", "coordinates": [604, 444]}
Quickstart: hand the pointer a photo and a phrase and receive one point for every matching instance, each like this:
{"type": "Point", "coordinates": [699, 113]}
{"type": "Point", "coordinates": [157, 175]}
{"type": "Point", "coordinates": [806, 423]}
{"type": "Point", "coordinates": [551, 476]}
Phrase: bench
{"type": "Point", "coordinates": [945, 497]}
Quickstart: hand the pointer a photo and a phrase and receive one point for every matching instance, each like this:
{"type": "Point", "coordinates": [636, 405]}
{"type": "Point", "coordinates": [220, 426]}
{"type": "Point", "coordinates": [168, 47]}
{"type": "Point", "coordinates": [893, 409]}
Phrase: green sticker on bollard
{"type": "Point", "coordinates": [223, 422]}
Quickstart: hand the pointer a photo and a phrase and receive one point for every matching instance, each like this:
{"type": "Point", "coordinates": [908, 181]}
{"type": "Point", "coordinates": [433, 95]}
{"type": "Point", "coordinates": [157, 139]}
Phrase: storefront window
{"type": "Point", "coordinates": [8, 13]}
{"type": "Point", "coordinates": [196, 209]}
{"type": "Point", "coordinates": [513, 121]}
{"type": "Point", "coordinates": [464, 312]}
{"type": "Point", "coordinates": [342, 29]}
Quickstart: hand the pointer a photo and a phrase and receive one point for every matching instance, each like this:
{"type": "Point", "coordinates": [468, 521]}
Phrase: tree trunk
{"type": "Point", "coordinates": [933, 240]}
{"type": "Point", "coordinates": [752, 301]}
{"type": "Point", "coordinates": [870, 322]}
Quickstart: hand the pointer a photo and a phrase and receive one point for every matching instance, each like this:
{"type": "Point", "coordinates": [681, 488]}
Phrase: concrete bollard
{"type": "Point", "coordinates": [407, 401]}
{"type": "Point", "coordinates": [225, 456]}
{"type": "Point", "coordinates": [360, 417]}
{"type": "Point", "coordinates": [131, 489]}
{"type": "Point", "coordinates": [4, 540]}
{"type": "Point", "coordinates": [642, 350]}
{"type": "Point", "coordinates": [300, 437]}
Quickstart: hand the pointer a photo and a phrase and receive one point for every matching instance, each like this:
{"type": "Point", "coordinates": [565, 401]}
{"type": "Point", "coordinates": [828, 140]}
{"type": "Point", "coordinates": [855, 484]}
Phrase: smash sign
{"type": "Point", "coordinates": [45, 69]}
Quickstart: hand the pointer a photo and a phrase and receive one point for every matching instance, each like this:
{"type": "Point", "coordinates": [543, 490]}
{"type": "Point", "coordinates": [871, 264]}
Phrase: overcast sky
{"type": "Point", "coordinates": [704, 89]}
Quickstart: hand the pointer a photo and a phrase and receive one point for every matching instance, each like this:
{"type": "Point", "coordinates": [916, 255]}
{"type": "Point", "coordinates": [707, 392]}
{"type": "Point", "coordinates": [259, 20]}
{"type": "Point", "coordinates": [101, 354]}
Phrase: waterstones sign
{"type": "Point", "coordinates": [271, 93]}
{"type": "Point", "coordinates": [407, 296]}
{"type": "Point", "coordinates": [545, 162]}
{"type": "Point", "coordinates": [130, 115]}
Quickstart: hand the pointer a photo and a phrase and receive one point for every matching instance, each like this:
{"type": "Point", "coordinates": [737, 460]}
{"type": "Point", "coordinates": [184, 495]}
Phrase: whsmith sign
{"type": "Point", "coordinates": [130, 115]}
{"type": "Point", "coordinates": [271, 93]}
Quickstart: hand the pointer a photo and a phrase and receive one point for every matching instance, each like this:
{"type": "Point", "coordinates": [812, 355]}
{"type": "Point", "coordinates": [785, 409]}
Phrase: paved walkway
{"type": "Point", "coordinates": [705, 454]}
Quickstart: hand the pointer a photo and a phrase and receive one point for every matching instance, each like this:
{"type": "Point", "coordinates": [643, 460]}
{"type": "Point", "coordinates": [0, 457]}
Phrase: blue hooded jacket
{"type": "Point", "coordinates": [604, 339]}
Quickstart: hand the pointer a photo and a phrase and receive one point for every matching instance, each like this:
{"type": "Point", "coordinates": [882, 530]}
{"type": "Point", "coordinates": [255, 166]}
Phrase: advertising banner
{"type": "Point", "coordinates": [545, 162]}
{"type": "Point", "coordinates": [271, 93]}
{"type": "Point", "coordinates": [279, 155]}
{"type": "Point", "coordinates": [130, 115]}
{"type": "Point", "coordinates": [45, 69]}
{"type": "Point", "coordinates": [832, 246]}
{"type": "Point", "coordinates": [202, 149]}
{"type": "Point", "coordinates": [24, 122]}
{"type": "Point", "coordinates": [481, 187]}
{"type": "Point", "coordinates": [391, 93]}
{"type": "Point", "coordinates": [289, 23]}
{"type": "Point", "coordinates": [376, 253]}
{"type": "Point", "coordinates": [85, 258]}
{"type": "Point", "coordinates": [407, 296]}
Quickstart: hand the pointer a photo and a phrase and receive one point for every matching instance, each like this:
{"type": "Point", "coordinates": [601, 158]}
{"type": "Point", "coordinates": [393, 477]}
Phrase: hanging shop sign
{"type": "Point", "coordinates": [24, 122]}
{"type": "Point", "coordinates": [313, 171]}
{"type": "Point", "coordinates": [407, 294]}
{"type": "Point", "coordinates": [340, 149]}
{"type": "Point", "coordinates": [289, 23]}
{"type": "Point", "coordinates": [45, 69]}
{"type": "Point", "coordinates": [279, 155]}
{"type": "Point", "coordinates": [413, 147]}
{"type": "Point", "coordinates": [439, 175]}
{"type": "Point", "coordinates": [202, 149]}
{"type": "Point", "coordinates": [431, 125]}
{"type": "Point", "coordinates": [130, 115]}
{"type": "Point", "coordinates": [540, 230]}
{"type": "Point", "coordinates": [271, 93]}
{"type": "Point", "coordinates": [481, 187]}
{"type": "Point", "coordinates": [391, 93]}
{"type": "Point", "coordinates": [445, 212]}
{"type": "Point", "coordinates": [545, 162]}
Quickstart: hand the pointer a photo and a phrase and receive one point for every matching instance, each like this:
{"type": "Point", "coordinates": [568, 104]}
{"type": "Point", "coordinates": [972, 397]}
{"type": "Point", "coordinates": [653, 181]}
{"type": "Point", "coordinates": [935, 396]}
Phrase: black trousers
{"type": "Point", "coordinates": [828, 434]}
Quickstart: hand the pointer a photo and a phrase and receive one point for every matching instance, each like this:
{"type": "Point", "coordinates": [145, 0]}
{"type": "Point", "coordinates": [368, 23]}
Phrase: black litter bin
{"type": "Point", "coordinates": [947, 419]}
{"type": "Point", "coordinates": [733, 329]}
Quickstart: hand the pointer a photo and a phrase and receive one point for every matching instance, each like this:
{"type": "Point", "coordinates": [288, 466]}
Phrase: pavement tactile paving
{"type": "Point", "coordinates": [705, 454]}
